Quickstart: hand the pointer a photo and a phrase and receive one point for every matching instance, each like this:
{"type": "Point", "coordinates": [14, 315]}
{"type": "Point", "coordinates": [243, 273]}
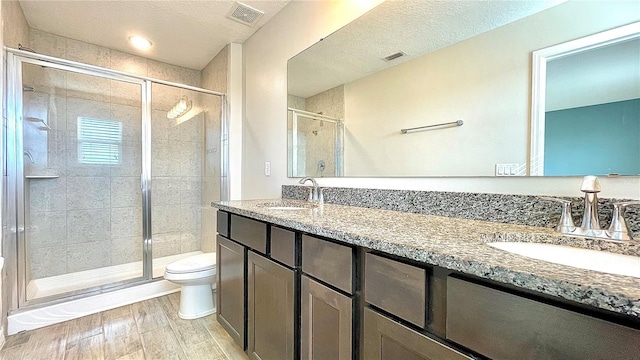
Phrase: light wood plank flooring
{"type": "Point", "coordinates": [150, 329]}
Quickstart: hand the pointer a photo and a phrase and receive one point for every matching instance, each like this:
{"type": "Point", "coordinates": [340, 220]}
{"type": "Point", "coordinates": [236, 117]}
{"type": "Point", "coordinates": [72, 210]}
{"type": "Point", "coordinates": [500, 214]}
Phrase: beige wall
{"type": "Point", "coordinates": [296, 27]}
{"type": "Point", "coordinates": [14, 25]}
{"type": "Point", "coordinates": [484, 81]}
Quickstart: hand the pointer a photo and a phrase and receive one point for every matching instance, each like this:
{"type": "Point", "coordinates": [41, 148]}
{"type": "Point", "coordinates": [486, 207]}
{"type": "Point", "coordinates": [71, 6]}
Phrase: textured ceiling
{"type": "Point", "coordinates": [184, 33]}
{"type": "Point", "coordinates": [415, 27]}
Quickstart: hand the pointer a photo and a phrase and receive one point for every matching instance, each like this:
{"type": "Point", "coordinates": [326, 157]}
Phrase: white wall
{"type": "Point", "coordinates": [296, 27]}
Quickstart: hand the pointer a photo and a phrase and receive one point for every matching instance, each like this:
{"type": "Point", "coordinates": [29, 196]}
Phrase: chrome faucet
{"type": "Point", "coordinates": [590, 187]}
{"type": "Point", "coordinates": [590, 226]}
{"type": "Point", "coordinates": [315, 193]}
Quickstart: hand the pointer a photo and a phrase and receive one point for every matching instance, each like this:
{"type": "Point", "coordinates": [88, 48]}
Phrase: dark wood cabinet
{"type": "Point", "coordinates": [502, 325]}
{"type": "Point", "coordinates": [328, 262]}
{"type": "Point", "coordinates": [397, 288]}
{"type": "Point", "coordinates": [326, 323]}
{"type": "Point", "coordinates": [270, 309]}
{"type": "Point", "coordinates": [250, 233]}
{"type": "Point", "coordinates": [286, 295]}
{"type": "Point", "coordinates": [385, 339]}
{"type": "Point", "coordinates": [230, 288]}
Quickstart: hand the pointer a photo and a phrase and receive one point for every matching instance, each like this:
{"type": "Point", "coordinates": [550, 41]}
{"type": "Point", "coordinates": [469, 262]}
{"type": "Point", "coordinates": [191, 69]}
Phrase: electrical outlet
{"type": "Point", "coordinates": [267, 168]}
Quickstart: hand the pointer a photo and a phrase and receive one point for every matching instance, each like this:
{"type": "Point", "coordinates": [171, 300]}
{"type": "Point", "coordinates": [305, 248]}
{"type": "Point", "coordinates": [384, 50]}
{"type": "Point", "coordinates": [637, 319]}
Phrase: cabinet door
{"type": "Point", "coordinates": [501, 325]}
{"type": "Point", "coordinates": [385, 339]}
{"type": "Point", "coordinates": [326, 323]}
{"type": "Point", "coordinates": [230, 288]}
{"type": "Point", "coordinates": [270, 309]}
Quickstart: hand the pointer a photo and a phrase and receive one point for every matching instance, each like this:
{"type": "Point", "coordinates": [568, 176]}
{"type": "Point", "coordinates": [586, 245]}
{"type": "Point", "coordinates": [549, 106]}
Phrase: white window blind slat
{"type": "Point", "coordinates": [99, 141]}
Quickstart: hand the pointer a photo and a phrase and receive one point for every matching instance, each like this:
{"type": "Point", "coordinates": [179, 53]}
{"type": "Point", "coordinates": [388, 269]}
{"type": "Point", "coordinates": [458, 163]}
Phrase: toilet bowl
{"type": "Point", "coordinates": [196, 274]}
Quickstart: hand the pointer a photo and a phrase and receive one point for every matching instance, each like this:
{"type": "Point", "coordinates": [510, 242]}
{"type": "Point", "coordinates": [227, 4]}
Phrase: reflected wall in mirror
{"type": "Point", "coordinates": [467, 61]}
{"type": "Point", "coordinates": [587, 124]}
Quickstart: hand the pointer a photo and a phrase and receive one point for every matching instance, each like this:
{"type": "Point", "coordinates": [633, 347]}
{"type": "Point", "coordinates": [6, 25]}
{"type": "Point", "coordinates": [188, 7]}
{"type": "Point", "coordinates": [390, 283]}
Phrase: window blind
{"type": "Point", "coordinates": [99, 141]}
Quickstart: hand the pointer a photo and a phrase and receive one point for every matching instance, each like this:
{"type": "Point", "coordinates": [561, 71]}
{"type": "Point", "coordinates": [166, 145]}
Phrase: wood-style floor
{"type": "Point", "coordinates": [150, 329]}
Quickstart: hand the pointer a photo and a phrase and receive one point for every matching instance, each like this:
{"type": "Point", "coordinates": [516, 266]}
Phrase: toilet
{"type": "Point", "coordinates": [196, 274]}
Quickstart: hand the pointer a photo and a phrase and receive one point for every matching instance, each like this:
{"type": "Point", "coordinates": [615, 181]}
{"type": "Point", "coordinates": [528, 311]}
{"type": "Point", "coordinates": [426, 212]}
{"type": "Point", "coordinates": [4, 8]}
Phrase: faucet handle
{"type": "Point", "coordinates": [590, 184]}
{"type": "Point", "coordinates": [565, 225]}
{"type": "Point", "coordinates": [619, 229]}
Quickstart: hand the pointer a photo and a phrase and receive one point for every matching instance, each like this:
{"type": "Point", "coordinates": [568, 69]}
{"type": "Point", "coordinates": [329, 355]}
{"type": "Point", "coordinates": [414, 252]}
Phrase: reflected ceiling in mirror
{"type": "Point", "coordinates": [467, 61]}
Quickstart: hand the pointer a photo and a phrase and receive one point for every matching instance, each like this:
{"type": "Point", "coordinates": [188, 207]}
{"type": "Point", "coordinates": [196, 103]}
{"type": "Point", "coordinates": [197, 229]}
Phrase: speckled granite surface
{"type": "Point", "coordinates": [509, 209]}
{"type": "Point", "coordinates": [460, 244]}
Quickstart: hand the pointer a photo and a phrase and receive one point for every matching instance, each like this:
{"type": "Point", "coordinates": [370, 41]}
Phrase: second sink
{"type": "Point", "coordinates": [601, 261]}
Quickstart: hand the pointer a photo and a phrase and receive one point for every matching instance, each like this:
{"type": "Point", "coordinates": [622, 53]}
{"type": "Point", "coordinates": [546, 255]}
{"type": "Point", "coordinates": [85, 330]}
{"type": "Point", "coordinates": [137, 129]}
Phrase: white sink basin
{"type": "Point", "coordinates": [580, 258]}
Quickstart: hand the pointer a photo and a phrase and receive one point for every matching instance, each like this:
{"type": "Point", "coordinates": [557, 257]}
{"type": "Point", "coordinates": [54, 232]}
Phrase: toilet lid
{"type": "Point", "coordinates": [193, 263]}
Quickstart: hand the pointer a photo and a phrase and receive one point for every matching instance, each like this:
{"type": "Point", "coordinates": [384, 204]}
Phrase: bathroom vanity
{"type": "Point", "coordinates": [344, 282]}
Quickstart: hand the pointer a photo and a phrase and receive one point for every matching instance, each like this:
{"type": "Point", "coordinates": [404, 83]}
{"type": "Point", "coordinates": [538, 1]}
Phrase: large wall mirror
{"type": "Point", "coordinates": [460, 74]}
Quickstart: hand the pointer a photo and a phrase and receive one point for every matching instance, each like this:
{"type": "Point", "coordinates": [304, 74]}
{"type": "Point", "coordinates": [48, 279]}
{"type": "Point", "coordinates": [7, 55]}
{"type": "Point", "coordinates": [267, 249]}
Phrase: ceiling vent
{"type": "Point", "coordinates": [394, 56]}
{"type": "Point", "coordinates": [244, 14]}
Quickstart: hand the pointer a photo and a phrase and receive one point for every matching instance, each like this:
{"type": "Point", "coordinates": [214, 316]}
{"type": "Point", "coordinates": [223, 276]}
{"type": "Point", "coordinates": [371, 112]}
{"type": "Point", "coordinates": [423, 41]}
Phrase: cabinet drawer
{"type": "Point", "coordinates": [329, 262]}
{"type": "Point", "coordinates": [385, 339]}
{"type": "Point", "coordinates": [222, 225]}
{"type": "Point", "coordinates": [397, 288]}
{"type": "Point", "coordinates": [249, 232]}
{"type": "Point", "coordinates": [283, 246]}
{"type": "Point", "coordinates": [501, 325]}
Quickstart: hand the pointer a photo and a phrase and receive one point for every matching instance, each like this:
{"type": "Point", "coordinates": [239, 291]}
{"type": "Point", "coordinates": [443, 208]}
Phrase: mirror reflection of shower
{"type": "Point", "coordinates": [314, 144]}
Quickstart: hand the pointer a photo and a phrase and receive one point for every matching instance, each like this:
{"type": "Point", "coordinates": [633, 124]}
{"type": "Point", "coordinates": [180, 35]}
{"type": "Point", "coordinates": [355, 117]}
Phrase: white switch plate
{"type": "Point", "coordinates": [507, 169]}
{"type": "Point", "coordinates": [267, 168]}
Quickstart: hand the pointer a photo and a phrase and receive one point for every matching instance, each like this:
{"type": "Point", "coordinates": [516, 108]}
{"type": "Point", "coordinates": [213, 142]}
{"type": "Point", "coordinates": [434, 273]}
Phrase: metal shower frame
{"type": "Point", "coordinates": [13, 234]}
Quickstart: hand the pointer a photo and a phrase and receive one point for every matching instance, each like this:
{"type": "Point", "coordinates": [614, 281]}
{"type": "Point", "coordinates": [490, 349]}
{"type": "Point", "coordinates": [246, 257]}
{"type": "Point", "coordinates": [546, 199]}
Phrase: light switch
{"type": "Point", "coordinates": [267, 168]}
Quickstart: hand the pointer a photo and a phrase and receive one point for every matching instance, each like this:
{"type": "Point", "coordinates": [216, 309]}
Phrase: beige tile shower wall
{"type": "Point", "coordinates": [91, 216]}
{"type": "Point", "coordinates": [214, 77]}
{"type": "Point", "coordinates": [176, 167]}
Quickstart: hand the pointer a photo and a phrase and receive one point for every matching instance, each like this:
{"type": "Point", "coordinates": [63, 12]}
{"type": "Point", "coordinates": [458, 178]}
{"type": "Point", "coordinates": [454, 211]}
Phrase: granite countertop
{"type": "Point", "coordinates": [459, 244]}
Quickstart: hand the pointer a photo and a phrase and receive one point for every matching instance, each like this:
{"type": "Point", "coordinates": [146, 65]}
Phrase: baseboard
{"type": "Point", "coordinates": [57, 313]}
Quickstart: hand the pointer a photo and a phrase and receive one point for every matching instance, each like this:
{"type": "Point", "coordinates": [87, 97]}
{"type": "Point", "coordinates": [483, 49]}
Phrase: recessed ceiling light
{"type": "Point", "coordinates": [139, 42]}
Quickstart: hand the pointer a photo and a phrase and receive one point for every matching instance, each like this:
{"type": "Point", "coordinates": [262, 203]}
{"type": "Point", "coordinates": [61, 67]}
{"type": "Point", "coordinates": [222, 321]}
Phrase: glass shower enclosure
{"type": "Point", "coordinates": [108, 177]}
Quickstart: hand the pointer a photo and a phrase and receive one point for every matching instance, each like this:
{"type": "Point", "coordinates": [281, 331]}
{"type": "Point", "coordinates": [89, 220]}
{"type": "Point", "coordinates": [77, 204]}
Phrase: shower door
{"type": "Point", "coordinates": [75, 161]}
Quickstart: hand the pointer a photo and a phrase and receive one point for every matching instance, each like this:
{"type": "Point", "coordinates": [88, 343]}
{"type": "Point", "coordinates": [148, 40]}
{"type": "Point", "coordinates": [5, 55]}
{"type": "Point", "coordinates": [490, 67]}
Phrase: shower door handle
{"type": "Point", "coordinates": [19, 230]}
